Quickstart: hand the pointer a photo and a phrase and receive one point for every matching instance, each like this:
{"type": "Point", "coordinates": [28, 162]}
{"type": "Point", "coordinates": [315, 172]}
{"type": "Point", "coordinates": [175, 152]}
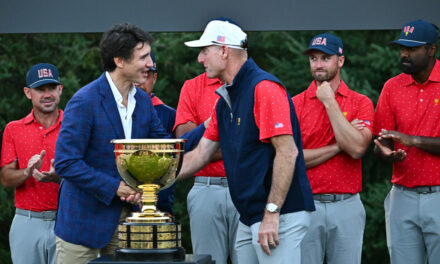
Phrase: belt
{"type": "Point", "coordinates": [328, 198]}
{"type": "Point", "coordinates": [45, 215]}
{"type": "Point", "coordinates": [420, 189]}
{"type": "Point", "coordinates": [212, 180]}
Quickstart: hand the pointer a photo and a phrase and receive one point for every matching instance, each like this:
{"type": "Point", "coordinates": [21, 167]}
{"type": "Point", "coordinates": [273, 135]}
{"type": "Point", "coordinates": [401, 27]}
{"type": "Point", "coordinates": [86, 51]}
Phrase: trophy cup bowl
{"type": "Point", "coordinates": [149, 165]}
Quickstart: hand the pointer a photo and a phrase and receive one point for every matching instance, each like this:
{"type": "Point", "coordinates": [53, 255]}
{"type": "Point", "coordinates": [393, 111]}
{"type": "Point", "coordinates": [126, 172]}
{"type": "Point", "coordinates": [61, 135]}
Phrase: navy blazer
{"type": "Point", "coordinates": [88, 207]}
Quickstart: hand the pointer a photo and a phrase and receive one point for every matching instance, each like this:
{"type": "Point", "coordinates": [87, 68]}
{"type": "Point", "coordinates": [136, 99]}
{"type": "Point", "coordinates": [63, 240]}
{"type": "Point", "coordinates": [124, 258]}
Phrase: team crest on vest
{"type": "Point", "coordinates": [408, 29]}
{"type": "Point", "coordinates": [238, 121]}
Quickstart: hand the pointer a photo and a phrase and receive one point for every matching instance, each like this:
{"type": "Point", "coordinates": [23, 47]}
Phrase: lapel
{"type": "Point", "coordinates": [134, 127]}
{"type": "Point", "coordinates": [108, 103]}
{"type": "Point", "coordinates": [137, 113]}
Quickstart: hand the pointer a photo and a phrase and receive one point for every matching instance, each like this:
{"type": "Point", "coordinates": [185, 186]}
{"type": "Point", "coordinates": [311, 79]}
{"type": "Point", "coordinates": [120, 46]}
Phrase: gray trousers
{"type": "Point", "coordinates": [413, 226]}
{"type": "Point", "coordinates": [213, 221]}
{"type": "Point", "coordinates": [292, 229]}
{"type": "Point", "coordinates": [32, 240]}
{"type": "Point", "coordinates": [336, 231]}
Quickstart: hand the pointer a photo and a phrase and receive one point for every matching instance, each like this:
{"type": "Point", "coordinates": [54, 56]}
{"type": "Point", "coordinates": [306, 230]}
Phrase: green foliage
{"type": "Point", "coordinates": [7, 210]}
{"type": "Point", "coordinates": [369, 63]}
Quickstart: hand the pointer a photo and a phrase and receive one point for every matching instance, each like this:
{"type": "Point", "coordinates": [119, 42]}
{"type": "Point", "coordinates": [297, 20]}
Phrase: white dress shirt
{"type": "Point", "coordinates": [124, 112]}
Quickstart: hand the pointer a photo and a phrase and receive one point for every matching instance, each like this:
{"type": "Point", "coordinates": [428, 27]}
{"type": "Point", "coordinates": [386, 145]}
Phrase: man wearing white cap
{"type": "Point", "coordinates": [255, 124]}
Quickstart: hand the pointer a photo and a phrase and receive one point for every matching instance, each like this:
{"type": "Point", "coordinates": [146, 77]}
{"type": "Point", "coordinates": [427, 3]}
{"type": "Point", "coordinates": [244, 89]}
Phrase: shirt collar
{"type": "Point", "coordinates": [115, 91]}
{"type": "Point", "coordinates": [434, 76]}
{"type": "Point", "coordinates": [155, 100]}
{"type": "Point", "coordinates": [31, 118]}
{"type": "Point", "coordinates": [342, 89]}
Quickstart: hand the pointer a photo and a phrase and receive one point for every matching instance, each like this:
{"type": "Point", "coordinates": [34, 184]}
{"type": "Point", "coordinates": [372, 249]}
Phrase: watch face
{"type": "Point", "coordinates": [271, 207]}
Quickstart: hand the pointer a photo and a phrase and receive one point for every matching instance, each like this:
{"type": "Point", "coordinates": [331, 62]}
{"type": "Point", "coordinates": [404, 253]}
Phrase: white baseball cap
{"type": "Point", "coordinates": [220, 33]}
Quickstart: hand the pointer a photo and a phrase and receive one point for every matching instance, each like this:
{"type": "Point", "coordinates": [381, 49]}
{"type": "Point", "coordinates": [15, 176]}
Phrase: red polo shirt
{"type": "Point", "coordinates": [342, 173]}
{"type": "Point", "coordinates": [271, 112]}
{"type": "Point", "coordinates": [197, 99]}
{"type": "Point", "coordinates": [23, 139]}
{"type": "Point", "coordinates": [414, 109]}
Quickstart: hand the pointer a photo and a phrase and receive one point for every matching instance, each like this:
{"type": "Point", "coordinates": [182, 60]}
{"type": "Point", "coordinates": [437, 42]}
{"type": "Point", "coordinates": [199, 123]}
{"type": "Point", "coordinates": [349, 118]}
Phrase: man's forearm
{"type": "Point", "coordinates": [428, 144]}
{"type": "Point", "coordinates": [349, 139]}
{"type": "Point", "coordinates": [283, 168]}
{"type": "Point", "coordinates": [195, 160]}
{"type": "Point", "coordinates": [315, 157]}
{"type": "Point", "coordinates": [11, 177]}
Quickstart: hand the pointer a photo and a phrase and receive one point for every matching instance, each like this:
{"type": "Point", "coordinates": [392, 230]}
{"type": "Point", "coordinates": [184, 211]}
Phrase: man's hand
{"type": "Point", "coordinates": [47, 176]}
{"type": "Point", "coordinates": [358, 124]}
{"type": "Point", "coordinates": [325, 93]}
{"type": "Point", "coordinates": [403, 139]}
{"type": "Point", "coordinates": [34, 163]}
{"type": "Point", "coordinates": [268, 232]}
{"type": "Point", "coordinates": [128, 194]}
{"type": "Point", "coordinates": [388, 153]}
{"type": "Point", "coordinates": [206, 123]}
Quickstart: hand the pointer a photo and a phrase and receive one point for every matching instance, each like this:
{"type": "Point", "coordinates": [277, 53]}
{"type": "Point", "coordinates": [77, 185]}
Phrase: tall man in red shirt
{"type": "Point", "coordinates": [407, 122]}
{"type": "Point", "coordinates": [336, 131]}
{"type": "Point", "coordinates": [27, 164]}
{"type": "Point", "coordinates": [213, 217]}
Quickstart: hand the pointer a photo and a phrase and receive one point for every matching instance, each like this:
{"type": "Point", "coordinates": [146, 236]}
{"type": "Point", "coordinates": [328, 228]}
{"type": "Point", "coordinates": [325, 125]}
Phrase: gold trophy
{"type": "Point", "coordinates": [149, 165]}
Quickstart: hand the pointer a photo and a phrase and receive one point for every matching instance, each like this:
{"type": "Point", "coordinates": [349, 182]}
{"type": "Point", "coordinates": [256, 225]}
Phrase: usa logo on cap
{"type": "Point", "coordinates": [221, 38]}
{"type": "Point", "coordinates": [408, 29]}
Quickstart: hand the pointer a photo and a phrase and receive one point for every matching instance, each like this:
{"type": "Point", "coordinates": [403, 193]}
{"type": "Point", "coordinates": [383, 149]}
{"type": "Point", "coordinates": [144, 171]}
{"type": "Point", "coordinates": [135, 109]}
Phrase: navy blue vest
{"type": "Point", "coordinates": [248, 161]}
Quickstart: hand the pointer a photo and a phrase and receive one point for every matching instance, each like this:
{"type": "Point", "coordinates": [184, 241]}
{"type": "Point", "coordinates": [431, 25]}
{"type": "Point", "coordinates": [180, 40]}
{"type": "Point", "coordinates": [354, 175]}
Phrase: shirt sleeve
{"type": "Point", "coordinates": [8, 154]}
{"type": "Point", "coordinates": [383, 116]}
{"type": "Point", "coordinates": [211, 131]}
{"type": "Point", "coordinates": [272, 110]}
{"type": "Point", "coordinates": [185, 111]}
{"type": "Point", "coordinates": [298, 104]}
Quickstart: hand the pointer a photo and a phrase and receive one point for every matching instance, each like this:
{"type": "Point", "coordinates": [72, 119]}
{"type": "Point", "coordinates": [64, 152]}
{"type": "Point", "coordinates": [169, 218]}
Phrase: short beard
{"type": "Point", "coordinates": [415, 68]}
{"type": "Point", "coordinates": [326, 77]}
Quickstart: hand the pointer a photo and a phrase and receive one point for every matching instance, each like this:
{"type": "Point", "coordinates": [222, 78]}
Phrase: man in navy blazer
{"type": "Point", "coordinates": [93, 198]}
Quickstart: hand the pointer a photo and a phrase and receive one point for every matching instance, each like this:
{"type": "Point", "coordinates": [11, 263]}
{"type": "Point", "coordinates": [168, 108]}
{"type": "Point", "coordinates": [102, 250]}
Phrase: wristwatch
{"type": "Point", "coordinates": [272, 208]}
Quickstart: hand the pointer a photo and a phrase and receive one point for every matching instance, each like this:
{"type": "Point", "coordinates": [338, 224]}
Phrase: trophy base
{"type": "Point", "coordinates": [150, 241]}
{"type": "Point", "coordinates": [166, 254]}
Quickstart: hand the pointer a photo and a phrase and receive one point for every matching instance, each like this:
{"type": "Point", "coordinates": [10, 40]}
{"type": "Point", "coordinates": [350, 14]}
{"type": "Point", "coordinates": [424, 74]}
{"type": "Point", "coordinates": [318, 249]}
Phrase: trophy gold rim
{"type": "Point", "coordinates": [148, 141]}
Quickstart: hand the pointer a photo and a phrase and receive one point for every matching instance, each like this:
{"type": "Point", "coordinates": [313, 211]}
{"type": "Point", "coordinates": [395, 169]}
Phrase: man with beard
{"type": "Point", "coordinates": [407, 122]}
{"type": "Point", "coordinates": [27, 164]}
{"type": "Point", "coordinates": [336, 125]}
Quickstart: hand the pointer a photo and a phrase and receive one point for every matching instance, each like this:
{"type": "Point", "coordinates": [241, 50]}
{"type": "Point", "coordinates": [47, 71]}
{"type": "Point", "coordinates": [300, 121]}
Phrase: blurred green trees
{"type": "Point", "coordinates": [369, 63]}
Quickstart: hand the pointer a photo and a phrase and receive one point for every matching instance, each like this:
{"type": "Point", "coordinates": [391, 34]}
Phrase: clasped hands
{"type": "Point", "coordinates": [34, 164]}
{"type": "Point", "coordinates": [399, 154]}
{"type": "Point", "coordinates": [129, 195]}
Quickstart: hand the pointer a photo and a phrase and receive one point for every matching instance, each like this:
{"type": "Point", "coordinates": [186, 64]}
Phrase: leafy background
{"type": "Point", "coordinates": [370, 61]}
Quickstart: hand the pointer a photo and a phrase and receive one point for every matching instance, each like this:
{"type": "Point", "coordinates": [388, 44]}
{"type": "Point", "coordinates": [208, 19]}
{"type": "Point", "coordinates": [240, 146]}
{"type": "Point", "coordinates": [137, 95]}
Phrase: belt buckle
{"type": "Point", "coordinates": [47, 216]}
{"type": "Point", "coordinates": [426, 190]}
{"type": "Point", "coordinates": [224, 182]}
{"type": "Point", "coordinates": [332, 198]}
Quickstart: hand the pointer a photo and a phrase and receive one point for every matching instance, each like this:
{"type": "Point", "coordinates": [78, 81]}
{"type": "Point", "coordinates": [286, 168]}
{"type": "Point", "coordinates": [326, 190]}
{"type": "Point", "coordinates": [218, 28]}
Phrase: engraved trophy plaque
{"type": "Point", "coordinates": [149, 165]}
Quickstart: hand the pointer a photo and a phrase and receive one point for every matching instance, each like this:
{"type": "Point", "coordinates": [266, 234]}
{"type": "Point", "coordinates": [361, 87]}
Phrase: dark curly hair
{"type": "Point", "coordinates": [120, 41]}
